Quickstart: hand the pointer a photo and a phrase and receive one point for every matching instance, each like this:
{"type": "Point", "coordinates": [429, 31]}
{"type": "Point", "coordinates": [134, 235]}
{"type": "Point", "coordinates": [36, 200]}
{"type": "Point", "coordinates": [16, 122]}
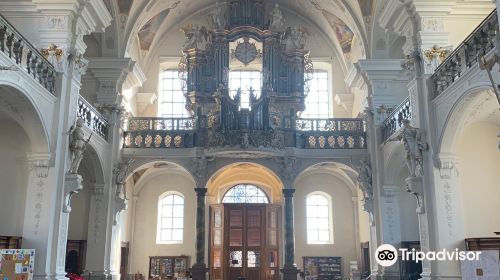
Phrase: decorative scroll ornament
{"type": "Point", "coordinates": [72, 185]}
{"type": "Point", "coordinates": [77, 145]}
{"type": "Point", "coordinates": [433, 58]}
{"type": "Point", "coordinates": [414, 146]}
{"type": "Point", "coordinates": [56, 56]}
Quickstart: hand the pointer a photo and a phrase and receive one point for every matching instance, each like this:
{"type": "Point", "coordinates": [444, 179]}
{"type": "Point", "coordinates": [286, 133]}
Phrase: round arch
{"type": "Point", "coordinates": [469, 107]}
{"type": "Point", "coordinates": [339, 170]}
{"type": "Point", "coordinates": [244, 173]}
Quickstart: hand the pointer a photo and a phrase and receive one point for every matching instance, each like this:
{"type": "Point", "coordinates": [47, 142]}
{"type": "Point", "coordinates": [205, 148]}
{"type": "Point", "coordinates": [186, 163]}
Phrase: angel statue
{"type": "Point", "coordinates": [218, 17]}
{"type": "Point", "coordinates": [196, 37]}
{"type": "Point", "coordinates": [77, 144]}
{"type": "Point", "coordinates": [414, 145]}
{"type": "Point", "coordinates": [277, 20]}
{"type": "Point", "coordinates": [295, 38]}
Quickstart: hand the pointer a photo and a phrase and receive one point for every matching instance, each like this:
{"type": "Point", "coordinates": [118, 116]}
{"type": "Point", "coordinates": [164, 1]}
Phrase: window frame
{"type": "Point", "coordinates": [246, 184]}
{"type": "Point", "coordinates": [172, 104]}
{"type": "Point", "coordinates": [159, 226]}
{"type": "Point", "coordinates": [330, 219]}
{"type": "Point", "coordinates": [317, 104]}
{"type": "Point", "coordinates": [258, 91]}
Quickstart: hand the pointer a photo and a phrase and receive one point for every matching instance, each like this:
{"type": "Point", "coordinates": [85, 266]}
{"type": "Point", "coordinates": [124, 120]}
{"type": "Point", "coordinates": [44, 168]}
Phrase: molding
{"type": "Point", "coordinates": [382, 69]}
{"type": "Point", "coordinates": [40, 163]}
{"type": "Point", "coordinates": [72, 185]}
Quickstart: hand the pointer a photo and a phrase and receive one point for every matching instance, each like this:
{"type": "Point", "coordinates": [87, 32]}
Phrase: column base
{"type": "Point", "coordinates": [199, 271]}
{"type": "Point", "coordinates": [96, 275]}
{"type": "Point", "coordinates": [289, 272]}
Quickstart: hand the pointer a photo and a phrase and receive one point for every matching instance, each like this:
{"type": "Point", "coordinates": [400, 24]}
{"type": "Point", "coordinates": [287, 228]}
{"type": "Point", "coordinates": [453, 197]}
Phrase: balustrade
{"type": "Point", "coordinates": [183, 133]}
{"type": "Point", "coordinates": [93, 119]}
{"type": "Point", "coordinates": [466, 55]}
{"type": "Point", "coordinates": [22, 53]}
{"type": "Point", "coordinates": [395, 120]}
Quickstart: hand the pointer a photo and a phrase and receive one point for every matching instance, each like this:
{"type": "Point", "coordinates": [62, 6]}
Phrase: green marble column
{"type": "Point", "coordinates": [199, 269]}
{"type": "Point", "coordinates": [289, 269]}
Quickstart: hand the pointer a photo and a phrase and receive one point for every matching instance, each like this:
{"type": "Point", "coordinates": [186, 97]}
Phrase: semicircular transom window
{"type": "Point", "coordinates": [245, 193]}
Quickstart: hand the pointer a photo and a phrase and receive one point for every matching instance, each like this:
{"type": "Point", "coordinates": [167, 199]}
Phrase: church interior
{"type": "Point", "coordinates": [248, 139]}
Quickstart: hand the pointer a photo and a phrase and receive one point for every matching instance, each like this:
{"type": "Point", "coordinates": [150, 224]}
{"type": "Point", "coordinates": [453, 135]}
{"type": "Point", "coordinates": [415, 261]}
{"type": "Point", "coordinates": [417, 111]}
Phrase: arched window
{"type": "Point", "coordinates": [170, 227]}
{"type": "Point", "coordinates": [171, 100]}
{"type": "Point", "coordinates": [244, 80]}
{"type": "Point", "coordinates": [319, 223]}
{"type": "Point", "coordinates": [245, 194]}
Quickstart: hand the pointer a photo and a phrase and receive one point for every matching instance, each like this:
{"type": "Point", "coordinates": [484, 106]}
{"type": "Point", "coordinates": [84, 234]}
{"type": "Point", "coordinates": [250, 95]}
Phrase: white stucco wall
{"type": "Point", "coordinates": [144, 243]}
{"type": "Point", "coordinates": [14, 144]}
{"type": "Point", "coordinates": [343, 212]}
{"type": "Point", "coordinates": [479, 179]}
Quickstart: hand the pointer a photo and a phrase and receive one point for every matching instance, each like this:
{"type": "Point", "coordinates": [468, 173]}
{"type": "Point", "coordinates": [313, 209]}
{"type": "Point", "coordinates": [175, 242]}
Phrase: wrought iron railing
{"type": "Point", "coordinates": [183, 133]}
{"type": "Point", "coordinates": [93, 119]}
{"type": "Point", "coordinates": [395, 120]}
{"type": "Point", "coordinates": [478, 43]}
{"type": "Point", "coordinates": [22, 53]}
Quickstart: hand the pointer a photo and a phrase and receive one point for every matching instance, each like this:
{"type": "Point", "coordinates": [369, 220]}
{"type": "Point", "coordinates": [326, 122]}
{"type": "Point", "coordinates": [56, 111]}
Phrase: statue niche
{"type": "Point", "coordinates": [244, 75]}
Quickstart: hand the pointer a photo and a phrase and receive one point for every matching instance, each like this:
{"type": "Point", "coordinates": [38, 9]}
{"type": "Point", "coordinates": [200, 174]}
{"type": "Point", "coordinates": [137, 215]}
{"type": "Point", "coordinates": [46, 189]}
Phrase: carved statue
{"type": "Point", "coordinates": [277, 20]}
{"type": "Point", "coordinates": [295, 38]}
{"type": "Point", "coordinates": [245, 142]}
{"type": "Point", "coordinates": [365, 179]}
{"type": "Point", "coordinates": [218, 17]}
{"type": "Point", "coordinates": [77, 145]}
{"type": "Point", "coordinates": [414, 146]}
{"type": "Point", "coordinates": [196, 37]}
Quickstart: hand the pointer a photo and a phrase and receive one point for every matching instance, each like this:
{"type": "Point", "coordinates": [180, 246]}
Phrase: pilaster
{"type": "Point", "coordinates": [199, 269]}
{"type": "Point", "coordinates": [289, 270]}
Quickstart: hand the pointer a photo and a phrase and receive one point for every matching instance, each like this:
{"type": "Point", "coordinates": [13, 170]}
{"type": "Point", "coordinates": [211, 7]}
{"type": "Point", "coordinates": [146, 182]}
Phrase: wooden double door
{"type": "Point", "coordinates": [244, 241]}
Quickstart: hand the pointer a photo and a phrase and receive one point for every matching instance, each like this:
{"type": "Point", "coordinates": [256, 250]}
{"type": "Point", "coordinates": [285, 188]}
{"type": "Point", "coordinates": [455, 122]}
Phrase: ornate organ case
{"type": "Point", "coordinates": [209, 56]}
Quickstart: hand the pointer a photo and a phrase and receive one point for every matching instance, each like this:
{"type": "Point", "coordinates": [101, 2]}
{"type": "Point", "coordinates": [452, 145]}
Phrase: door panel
{"type": "Point", "coordinates": [245, 241]}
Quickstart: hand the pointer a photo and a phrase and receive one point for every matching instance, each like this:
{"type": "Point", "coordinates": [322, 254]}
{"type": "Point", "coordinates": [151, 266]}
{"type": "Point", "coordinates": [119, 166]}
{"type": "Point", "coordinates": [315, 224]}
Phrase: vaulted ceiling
{"type": "Point", "coordinates": [346, 24]}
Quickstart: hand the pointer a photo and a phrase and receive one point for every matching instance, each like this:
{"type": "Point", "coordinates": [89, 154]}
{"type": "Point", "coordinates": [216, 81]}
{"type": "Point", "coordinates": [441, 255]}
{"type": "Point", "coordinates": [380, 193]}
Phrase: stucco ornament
{"type": "Point", "coordinates": [295, 38]}
{"type": "Point", "coordinates": [433, 58]}
{"type": "Point", "coordinates": [121, 172]}
{"type": "Point", "coordinates": [414, 146]}
{"type": "Point", "coordinates": [276, 19]}
{"type": "Point", "coordinates": [365, 179]}
{"type": "Point", "coordinates": [77, 145]}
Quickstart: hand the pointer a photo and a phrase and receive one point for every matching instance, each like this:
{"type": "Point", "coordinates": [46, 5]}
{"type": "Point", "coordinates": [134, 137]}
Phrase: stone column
{"type": "Point", "coordinates": [199, 269]}
{"type": "Point", "coordinates": [289, 270]}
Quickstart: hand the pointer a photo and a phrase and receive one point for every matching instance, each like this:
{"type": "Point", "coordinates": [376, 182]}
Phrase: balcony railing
{"type": "Point", "coordinates": [395, 120]}
{"type": "Point", "coordinates": [183, 133]}
{"type": "Point", "coordinates": [22, 53]}
{"type": "Point", "coordinates": [478, 43]}
{"type": "Point", "coordinates": [93, 119]}
{"type": "Point", "coordinates": [138, 124]}
{"type": "Point", "coordinates": [330, 134]}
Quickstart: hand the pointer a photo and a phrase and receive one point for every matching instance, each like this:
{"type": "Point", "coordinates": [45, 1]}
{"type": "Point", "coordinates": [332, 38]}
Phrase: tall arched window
{"type": "Point", "coordinates": [245, 194]}
{"type": "Point", "coordinates": [170, 227]}
{"type": "Point", "coordinates": [319, 223]}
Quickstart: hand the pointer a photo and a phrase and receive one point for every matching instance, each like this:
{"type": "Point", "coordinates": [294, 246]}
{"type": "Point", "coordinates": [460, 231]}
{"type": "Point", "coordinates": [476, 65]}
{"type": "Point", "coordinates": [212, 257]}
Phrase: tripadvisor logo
{"type": "Point", "coordinates": [387, 255]}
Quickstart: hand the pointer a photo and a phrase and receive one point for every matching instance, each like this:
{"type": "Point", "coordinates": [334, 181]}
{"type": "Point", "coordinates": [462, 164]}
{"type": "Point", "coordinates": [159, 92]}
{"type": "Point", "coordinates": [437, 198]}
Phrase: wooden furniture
{"type": "Point", "coordinates": [124, 257]}
{"type": "Point", "coordinates": [410, 270]}
{"type": "Point", "coordinates": [76, 250]}
{"type": "Point", "coordinates": [482, 244]}
{"type": "Point", "coordinates": [10, 242]}
{"type": "Point", "coordinates": [244, 241]}
{"type": "Point", "coordinates": [161, 267]}
{"type": "Point", "coordinates": [323, 268]}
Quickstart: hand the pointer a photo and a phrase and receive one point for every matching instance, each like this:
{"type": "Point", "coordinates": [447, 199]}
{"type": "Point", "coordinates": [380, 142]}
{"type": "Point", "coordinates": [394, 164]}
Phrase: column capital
{"type": "Point", "coordinates": [447, 164]}
{"type": "Point", "coordinates": [40, 163]}
{"type": "Point", "coordinates": [288, 192]}
{"type": "Point", "coordinates": [200, 191]}
{"type": "Point", "coordinates": [97, 189]}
